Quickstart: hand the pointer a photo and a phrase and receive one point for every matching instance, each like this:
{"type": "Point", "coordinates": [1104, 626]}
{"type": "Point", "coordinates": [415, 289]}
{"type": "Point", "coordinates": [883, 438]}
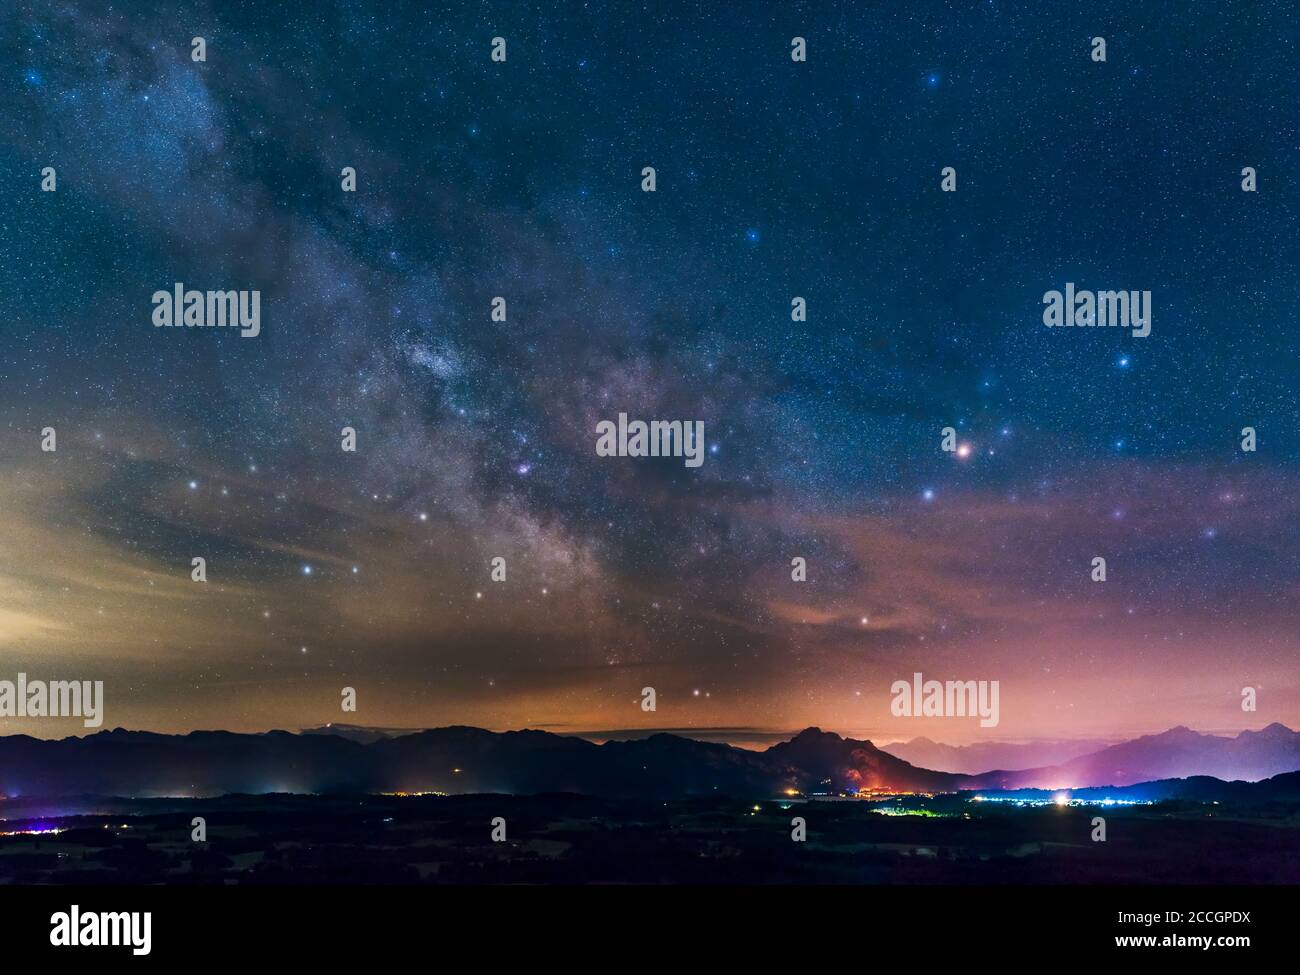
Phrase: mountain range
{"type": "Point", "coordinates": [985, 755]}
{"type": "Point", "coordinates": [1176, 753]}
{"type": "Point", "coordinates": [471, 760]}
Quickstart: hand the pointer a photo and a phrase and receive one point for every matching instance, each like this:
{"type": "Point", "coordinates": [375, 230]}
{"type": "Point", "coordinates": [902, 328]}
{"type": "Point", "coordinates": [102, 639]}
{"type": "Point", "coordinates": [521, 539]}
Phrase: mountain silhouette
{"type": "Point", "coordinates": [846, 764]}
{"type": "Point", "coordinates": [1178, 753]}
{"type": "Point", "coordinates": [982, 756]}
{"type": "Point", "coordinates": [461, 759]}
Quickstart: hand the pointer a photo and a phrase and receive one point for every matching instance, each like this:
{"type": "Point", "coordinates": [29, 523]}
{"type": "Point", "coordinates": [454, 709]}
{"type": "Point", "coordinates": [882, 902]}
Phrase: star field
{"type": "Point", "coordinates": [775, 179]}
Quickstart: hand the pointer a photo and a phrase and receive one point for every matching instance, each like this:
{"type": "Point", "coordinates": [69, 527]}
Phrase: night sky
{"type": "Point", "coordinates": [476, 438]}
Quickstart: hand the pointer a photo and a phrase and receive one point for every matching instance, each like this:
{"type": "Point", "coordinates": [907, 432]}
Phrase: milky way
{"type": "Point", "coordinates": [775, 179]}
